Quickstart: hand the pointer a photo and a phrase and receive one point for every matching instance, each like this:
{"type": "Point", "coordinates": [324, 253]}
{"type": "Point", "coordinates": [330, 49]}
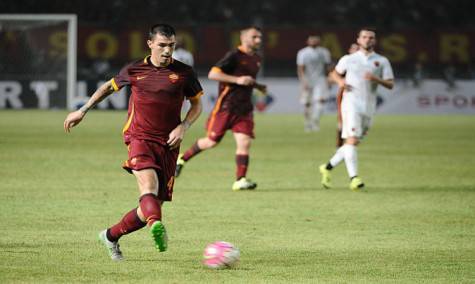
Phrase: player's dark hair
{"type": "Point", "coordinates": [163, 29]}
{"type": "Point", "coordinates": [251, 27]}
{"type": "Point", "coordinates": [368, 29]}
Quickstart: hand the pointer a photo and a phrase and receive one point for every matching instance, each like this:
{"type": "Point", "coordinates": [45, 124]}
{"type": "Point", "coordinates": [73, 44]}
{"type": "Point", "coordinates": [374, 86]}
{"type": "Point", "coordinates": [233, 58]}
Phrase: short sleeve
{"type": "Point", "coordinates": [387, 70]}
{"type": "Point", "coordinates": [228, 63]}
{"type": "Point", "coordinates": [342, 65]}
{"type": "Point", "coordinates": [300, 58]}
{"type": "Point", "coordinates": [122, 79]}
{"type": "Point", "coordinates": [193, 87]}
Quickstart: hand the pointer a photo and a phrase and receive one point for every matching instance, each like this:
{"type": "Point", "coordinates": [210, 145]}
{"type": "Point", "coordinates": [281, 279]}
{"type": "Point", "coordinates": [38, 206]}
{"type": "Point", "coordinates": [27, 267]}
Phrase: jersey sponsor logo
{"type": "Point", "coordinates": [141, 77]}
{"type": "Point", "coordinates": [173, 77]}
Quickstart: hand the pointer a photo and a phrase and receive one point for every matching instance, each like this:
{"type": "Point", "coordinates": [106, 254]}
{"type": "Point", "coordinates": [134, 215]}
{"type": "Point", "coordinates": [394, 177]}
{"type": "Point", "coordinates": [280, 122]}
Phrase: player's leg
{"type": "Point", "coordinates": [129, 223]}
{"type": "Point", "coordinates": [216, 126]}
{"type": "Point", "coordinates": [243, 145]}
{"type": "Point", "coordinates": [352, 131]}
{"type": "Point", "coordinates": [325, 169]}
{"type": "Point", "coordinates": [321, 93]}
{"type": "Point", "coordinates": [306, 101]}
{"type": "Point", "coordinates": [150, 205]}
{"type": "Point", "coordinates": [339, 133]}
{"type": "Point", "coordinates": [199, 146]}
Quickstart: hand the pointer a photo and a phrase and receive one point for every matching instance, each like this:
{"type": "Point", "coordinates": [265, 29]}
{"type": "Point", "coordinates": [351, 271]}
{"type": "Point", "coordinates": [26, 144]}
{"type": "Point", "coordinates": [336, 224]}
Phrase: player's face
{"type": "Point", "coordinates": [313, 42]}
{"type": "Point", "coordinates": [367, 40]}
{"type": "Point", "coordinates": [252, 39]}
{"type": "Point", "coordinates": [162, 48]}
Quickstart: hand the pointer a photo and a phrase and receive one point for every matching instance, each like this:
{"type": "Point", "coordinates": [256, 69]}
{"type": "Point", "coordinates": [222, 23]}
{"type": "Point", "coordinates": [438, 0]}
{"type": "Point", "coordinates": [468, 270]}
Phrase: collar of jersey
{"type": "Point", "coordinates": [147, 60]}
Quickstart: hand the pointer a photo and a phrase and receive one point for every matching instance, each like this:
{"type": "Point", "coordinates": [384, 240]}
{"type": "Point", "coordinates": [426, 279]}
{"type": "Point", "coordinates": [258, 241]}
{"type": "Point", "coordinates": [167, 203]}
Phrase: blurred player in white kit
{"type": "Point", "coordinates": [312, 67]}
{"type": "Point", "coordinates": [365, 70]}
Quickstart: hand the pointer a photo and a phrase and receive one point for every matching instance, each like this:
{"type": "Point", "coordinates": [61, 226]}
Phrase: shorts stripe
{"type": "Point", "coordinates": [217, 107]}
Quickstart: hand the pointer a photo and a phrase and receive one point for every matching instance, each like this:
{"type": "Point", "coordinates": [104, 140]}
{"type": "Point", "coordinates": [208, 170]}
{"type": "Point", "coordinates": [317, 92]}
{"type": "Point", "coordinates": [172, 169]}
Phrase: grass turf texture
{"type": "Point", "coordinates": [416, 223]}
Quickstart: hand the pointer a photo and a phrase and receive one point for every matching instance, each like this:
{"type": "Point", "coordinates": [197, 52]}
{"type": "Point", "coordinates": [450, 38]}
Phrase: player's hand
{"type": "Point", "coordinates": [245, 80]}
{"type": "Point", "coordinates": [370, 77]}
{"type": "Point", "coordinates": [261, 87]}
{"type": "Point", "coordinates": [343, 85]}
{"type": "Point", "coordinates": [73, 119]}
{"type": "Point", "coordinates": [176, 136]}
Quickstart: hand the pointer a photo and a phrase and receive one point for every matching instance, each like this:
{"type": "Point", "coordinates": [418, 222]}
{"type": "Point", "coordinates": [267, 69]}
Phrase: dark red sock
{"type": "Point", "coordinates": [242, 162]}
{"type": "Point", "coordinates": [190, 153]}
{"type": "Point", "coordinates": [129, 223]}
{"type": "Point", "coordinates": [151, 208]}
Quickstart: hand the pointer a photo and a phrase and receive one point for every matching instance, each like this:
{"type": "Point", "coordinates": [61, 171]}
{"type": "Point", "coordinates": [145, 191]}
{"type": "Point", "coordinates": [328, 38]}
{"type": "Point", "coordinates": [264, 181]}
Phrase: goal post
{"type": "Point", "coordinates": [35, 74]}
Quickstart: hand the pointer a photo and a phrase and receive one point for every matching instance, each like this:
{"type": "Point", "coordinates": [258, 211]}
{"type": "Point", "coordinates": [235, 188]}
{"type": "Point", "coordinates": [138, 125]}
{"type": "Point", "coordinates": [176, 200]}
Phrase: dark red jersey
{"type": "Point", "coordinates": [234, 98]}
{"type": "Point", "coordinates": [156, 99]}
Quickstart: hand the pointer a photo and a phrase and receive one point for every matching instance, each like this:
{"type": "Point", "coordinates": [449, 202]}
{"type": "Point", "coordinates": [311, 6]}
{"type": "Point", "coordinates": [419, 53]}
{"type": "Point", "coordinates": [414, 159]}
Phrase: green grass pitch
{"type": "Point", "coordinates": [415, 223]}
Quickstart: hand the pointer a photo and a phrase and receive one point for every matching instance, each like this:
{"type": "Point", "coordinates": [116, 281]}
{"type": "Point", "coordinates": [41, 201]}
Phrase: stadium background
{"type": "Point", "coordinates": [435, 41]}
{"type": "Point", "coordinates": [415, 223]}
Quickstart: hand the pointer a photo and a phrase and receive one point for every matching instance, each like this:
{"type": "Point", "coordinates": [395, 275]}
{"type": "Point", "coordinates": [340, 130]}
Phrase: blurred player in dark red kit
{"type": "Point", "coordinates": [153, 131]}
{"type": "Point", "coordinates": [236, 73]}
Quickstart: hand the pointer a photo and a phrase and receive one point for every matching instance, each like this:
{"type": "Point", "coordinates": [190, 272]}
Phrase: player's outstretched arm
{"type": "Point", "coordinates": [220, 76]}
{"type": "Point", "coordinates": [176, 136]}
{"type": "Point", "coordinates": [75, 117]}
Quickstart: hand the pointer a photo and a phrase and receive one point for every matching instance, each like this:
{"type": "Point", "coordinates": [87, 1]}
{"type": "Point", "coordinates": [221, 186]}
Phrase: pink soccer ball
{"type": "Point", "coordinates": [220, 255]}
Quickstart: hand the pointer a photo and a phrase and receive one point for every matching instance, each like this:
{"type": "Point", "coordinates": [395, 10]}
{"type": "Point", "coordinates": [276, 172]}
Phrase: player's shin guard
{"type": "Point", "coordinates": [129, 223]}
{"type": "Point", "coordinates": [337, 158]}
{"type": "Point", "coordinates": [351, 159]}
{"type": "Point", "coordinates": [151, 208]}
{"type": "Point", "coordinates": [193, 151]}
{"type": "Point", "coordinates": [242, 162]}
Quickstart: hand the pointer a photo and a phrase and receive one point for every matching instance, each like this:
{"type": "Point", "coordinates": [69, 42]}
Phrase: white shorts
{"type": "Point", "coordinates": [318, 92]}
{"type": "Point", "coordinates": [355, 124]}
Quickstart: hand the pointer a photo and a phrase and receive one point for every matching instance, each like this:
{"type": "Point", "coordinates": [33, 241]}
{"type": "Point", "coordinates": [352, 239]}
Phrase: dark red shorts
{"type": "Point", "coordinates": [151, 155]}
{"type": "Point", "coordinates": [220, 122]}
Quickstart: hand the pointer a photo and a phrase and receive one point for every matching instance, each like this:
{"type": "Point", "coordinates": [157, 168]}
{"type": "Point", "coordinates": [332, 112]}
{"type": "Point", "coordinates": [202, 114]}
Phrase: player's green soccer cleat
{"type": "Point", "coordinates": [356, 184]}
{"type": "Point", "coordinates": [113, 248]}
{"type": "Point", "coordinates": [180, 163]}
{"type": "Point", "coordinates": [159, 236]}
{"type": "Point", "coordinates": [326, 176]}
{"type": "Point", "coordinates": [243, 184]}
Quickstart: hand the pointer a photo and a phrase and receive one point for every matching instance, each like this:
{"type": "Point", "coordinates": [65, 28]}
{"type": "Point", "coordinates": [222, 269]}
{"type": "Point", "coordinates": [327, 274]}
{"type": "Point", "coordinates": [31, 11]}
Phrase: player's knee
{"type": "Point", "coordinates": [208, 143]}
{"type": "Point", "coordinates": [352, 141]}
{"type": "Point", "coordinates": [148, 185]}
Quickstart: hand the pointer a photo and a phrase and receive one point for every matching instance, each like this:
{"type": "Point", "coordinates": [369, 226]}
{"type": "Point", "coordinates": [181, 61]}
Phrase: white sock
{"type": "Point", "coordinates": [317, 112]}
{"type": "Point", "coordinates": [338, 157]}
{"type": "Point", "coordinates": [351, 159]}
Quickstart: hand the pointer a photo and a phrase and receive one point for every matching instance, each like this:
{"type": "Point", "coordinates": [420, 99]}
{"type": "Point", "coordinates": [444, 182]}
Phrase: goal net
{"type": "Point", "coordinates": [37, 61]}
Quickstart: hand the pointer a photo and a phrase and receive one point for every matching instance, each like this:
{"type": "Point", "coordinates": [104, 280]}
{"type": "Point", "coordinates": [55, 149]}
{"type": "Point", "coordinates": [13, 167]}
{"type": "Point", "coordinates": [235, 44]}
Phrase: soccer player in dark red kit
{"type": "Point", "coordinates": [153, 131]}
{"type": "Point", "coordinates": [236, 73]}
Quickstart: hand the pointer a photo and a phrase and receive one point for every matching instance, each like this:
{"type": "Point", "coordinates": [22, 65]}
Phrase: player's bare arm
{"type": "Point", "coordinates": [75, 117]}
{"type": "Point", "coordinates": [339, 80]}
{"type": "Point", "coordinates": [220, 76]}
{"type": "Point", "coordinates": [177, 134]}
{"type": "Point", "coordinates": [389, 83]}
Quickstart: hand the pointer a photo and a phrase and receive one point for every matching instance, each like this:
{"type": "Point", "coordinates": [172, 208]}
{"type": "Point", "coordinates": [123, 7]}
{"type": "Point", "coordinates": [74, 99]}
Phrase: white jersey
{"type": "Point", "coordinates": [362, 96]}
{"type": "Point", "coordinates": [183, 55]}
{"type": "Point", "coordinates": [314, 60]}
